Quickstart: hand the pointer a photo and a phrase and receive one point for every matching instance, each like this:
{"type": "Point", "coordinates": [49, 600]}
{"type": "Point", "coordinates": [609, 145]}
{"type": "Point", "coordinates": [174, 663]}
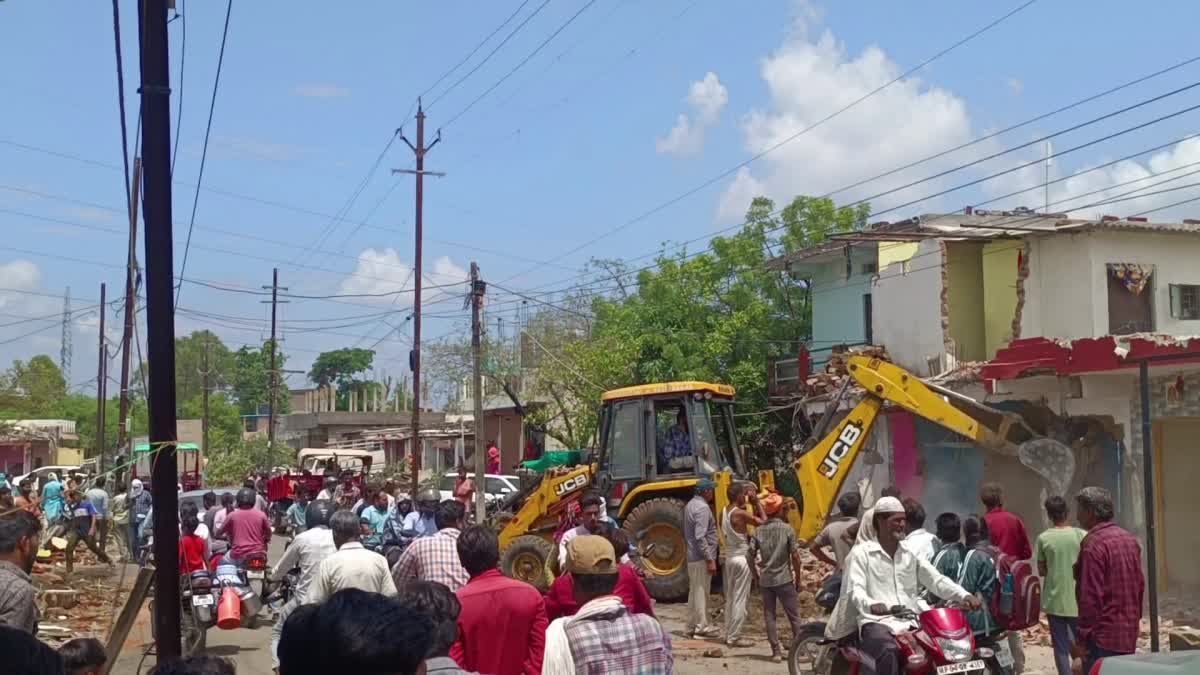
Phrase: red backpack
{"type": "Point", "coordinates": [1017, 602]}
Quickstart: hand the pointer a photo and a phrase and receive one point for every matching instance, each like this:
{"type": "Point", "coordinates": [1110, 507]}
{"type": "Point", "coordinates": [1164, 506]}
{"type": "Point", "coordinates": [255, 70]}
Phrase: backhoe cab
{"type": "Point", "coordinates": [656, 440]}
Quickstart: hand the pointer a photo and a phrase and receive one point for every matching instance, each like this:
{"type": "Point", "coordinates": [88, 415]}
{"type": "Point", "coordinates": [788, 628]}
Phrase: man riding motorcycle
{"type": "Point", "coordinates": [248, 529]}
{"type": "Point", "coordinates": [881, 574]}
{"type": "Point", "coordinates": [307, 551]}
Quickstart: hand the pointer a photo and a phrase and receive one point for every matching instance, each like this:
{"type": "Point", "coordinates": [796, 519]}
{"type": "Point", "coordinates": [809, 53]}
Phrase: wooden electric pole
{"type": "Point", "coordinates": [478, 288]}
{"type": "Point", "coordinates": [101, 376]}
{"type": "Point", "coordinates": [274, 385]}
{"type": "Point", "coordinates": [130, 308]}
{"type": "Point", "coordinates": [419, 152]}
{"type": "Point", "coordinates": [205, 383]}
{"type": "Point", "coordinates": [160, 319]}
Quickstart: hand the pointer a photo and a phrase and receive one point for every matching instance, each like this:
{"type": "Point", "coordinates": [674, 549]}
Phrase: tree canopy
{"type": "Point", "coordinates": [340, 366]}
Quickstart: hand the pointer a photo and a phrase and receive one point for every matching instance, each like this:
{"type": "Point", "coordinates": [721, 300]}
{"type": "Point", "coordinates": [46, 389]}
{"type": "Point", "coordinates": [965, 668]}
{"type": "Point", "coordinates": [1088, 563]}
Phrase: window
{"type": "Point", "coordinates": [1185, 301]}
{"type": "Point", "coordinates": [1129, 310]}
{"type": "Point", "coordinates": [869, 268]}
{"type": "Point", "coordinates": [625, 441]}
{"type": "Point", "coordinates": [868, 333]}
{"type": "Point", "coordinates": [787, 370]}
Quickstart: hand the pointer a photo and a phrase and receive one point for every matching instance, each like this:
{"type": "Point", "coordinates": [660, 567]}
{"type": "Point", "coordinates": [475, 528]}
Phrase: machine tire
{"type": "Point", "coordinates": [804, 645]}
{"type": "Point", "coordinates": [656, 528]}
{"type": "Point", "coordinates": [528, 559]}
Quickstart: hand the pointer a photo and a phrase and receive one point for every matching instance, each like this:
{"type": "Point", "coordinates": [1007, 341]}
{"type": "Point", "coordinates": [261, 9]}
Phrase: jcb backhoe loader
{"type": "Point", "coordinates": [656, 440]}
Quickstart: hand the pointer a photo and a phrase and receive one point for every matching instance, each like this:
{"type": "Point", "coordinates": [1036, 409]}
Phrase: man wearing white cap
{"type": "Point", "coordinates": [880, 574]}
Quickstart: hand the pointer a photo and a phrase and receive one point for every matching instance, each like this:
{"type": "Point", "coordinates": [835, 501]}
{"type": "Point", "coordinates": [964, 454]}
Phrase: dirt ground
{"type": "Point", "coordinates": [690, 656]}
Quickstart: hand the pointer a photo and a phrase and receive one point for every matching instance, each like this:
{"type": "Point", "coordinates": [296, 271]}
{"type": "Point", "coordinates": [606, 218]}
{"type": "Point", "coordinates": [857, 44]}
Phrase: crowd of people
{"type": "Point", "coordinates": [443, 592]}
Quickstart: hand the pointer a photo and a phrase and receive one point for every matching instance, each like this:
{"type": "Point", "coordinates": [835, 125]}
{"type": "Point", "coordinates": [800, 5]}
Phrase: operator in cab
{"type": "Point", "coordinates": [880, 575]}
{"type": "Point", "coordinates": [675, 446]}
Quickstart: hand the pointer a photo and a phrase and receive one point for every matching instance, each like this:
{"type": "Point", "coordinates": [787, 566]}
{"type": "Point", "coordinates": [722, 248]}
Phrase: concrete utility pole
{"type": "Point", "coordinates": [478, 288]}
{"type": "Point", "coordinates": [419, 152]}
{"type": "Point", "coordinates": [130, 306]}
{"type": "Point", "coordinates": [275, 288]}
{"type": "Point", "coordinates": [101, 376]}
{"type": "Point", "coordinates": [160, 319]}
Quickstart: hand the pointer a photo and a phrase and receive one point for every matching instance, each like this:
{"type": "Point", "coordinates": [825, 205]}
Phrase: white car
{"type": "Point", "coordinates": [495, 486]}
{"type": "Point", "coordinates": [38, 476]}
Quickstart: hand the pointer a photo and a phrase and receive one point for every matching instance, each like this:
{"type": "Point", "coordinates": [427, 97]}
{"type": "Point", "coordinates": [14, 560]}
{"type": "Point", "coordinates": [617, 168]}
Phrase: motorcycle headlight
{"type": "Point", "coordinates": [955, 650]}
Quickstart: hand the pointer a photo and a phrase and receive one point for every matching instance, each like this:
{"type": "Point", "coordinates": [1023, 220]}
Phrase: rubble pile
{"type": "Point", "coordinates": [81, 606]}
{"type": "Point", "coordinates": [829, 380]}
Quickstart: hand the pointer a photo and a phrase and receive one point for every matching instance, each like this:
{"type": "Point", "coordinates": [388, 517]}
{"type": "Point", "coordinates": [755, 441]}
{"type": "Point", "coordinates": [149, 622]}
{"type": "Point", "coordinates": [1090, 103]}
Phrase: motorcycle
{"type": "Point", "coordinates": [198, 612]}
{"type": "Point", "coordinates": [229, 575]}
{"type": "Point", "coordinates": [940, 642]}
{"type": "Point", "coordinates": [255, 566]}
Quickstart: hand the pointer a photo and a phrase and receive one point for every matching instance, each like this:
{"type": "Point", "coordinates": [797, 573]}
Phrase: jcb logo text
{"type": "Point", "coordinates": [841, 447]}
{"type": "Point", "coordinates": [570, 485]}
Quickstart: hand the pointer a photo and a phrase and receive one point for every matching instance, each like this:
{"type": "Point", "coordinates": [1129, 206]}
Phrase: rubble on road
{"type": "Point", "coordinates": [81, 605]}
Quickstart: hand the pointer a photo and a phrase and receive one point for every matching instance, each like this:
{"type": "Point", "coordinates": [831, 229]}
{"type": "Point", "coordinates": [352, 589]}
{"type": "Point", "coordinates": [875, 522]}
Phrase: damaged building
{"type": "Point", "coordinates": [1036, 314]}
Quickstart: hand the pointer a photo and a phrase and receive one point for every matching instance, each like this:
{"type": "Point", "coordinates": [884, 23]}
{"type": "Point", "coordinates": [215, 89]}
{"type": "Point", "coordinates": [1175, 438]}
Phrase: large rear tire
{"type": "Point", "coordinates": [656, 527]}
{"type": "Point", "coordinates": [527, 559]}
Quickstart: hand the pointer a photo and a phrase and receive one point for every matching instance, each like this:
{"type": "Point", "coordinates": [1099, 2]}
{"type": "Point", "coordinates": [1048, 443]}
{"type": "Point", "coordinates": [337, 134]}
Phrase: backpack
{"type": "Point", "coordinates": [1017, 603]}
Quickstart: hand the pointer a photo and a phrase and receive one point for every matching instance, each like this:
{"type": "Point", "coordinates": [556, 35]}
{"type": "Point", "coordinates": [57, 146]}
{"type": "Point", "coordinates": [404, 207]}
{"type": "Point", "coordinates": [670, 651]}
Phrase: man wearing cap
{"type": "Point", "coordinates": [777, 551]}
{"type": "Point", "coordinates": [700, 533]}
{"type": "Point", "coordinates": [603, 636]}
{"type": "Point", "coordinates": [880, 574]}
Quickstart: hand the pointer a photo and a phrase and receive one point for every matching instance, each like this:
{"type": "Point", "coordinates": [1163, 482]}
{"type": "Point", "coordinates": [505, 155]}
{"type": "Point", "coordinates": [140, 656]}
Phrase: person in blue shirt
{"type": "Point", "coordinates": [83, 526]}
{"type": "Point", "coordinates": [53, 504]}
{"type": "Point", "coordinates": [420, 522]}
{"type": "Point", "coordinates": [373, 520]}
{"type": "Point", "coordinates": [295, 516]}
{"type": "Point", "coordinates": [676, 444]}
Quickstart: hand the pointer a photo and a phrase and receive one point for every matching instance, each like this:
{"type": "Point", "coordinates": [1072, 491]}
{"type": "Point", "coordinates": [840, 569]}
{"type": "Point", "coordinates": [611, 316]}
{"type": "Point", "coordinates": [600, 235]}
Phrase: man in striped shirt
{"type": "Point", "coordinates": [436, 558]}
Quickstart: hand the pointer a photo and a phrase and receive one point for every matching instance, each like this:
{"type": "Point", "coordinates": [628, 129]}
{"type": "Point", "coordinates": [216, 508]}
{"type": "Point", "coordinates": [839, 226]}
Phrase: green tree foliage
{"type": "Point", "coordinates": [340, 366]}
{"type": "Point", "coordinates": [224, 421]}
{"type": "Point", "coordinates": [251, 379]}
{"type": "Point", "coordinates": [32, 386]}
{"type": "Point", "coordinates": [230, 466]}
{"type": "Point", "coordinates": [190, 360]}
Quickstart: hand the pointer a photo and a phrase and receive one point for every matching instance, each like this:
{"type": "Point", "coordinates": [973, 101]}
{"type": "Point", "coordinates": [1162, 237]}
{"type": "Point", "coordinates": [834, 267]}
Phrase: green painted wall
{"type": "Point", "coordinates": [999, 293]}
{"type": "Point", "coordinates": [965, 298]}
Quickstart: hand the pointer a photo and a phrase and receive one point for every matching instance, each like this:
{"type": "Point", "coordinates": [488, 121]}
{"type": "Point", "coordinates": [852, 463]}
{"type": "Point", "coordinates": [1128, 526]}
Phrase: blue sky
{"type": "Point", "coordinates": [574, 144]}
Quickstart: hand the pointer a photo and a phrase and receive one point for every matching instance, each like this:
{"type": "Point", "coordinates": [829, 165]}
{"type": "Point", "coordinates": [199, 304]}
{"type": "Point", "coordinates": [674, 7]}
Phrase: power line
{"type": "Point", "coordinates": [730, 171]}
{"type": "Point", "coordinates": [492, 53]}
{"type": "Point", "coordinates": [525, 60]}
{"type": "Point", "coordinates": [121, 103]}
{"type": "Point", "coordinates": [212, 105]}
{"type": "Point", "coordinates": [182, 62]}
{"type": "Point", "coordinates": [479, 46]}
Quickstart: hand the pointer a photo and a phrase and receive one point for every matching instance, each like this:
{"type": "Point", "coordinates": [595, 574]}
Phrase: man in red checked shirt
{"type": "Point", "coordinates": [1007, 533]}
{"type": "Point", "coordinates": [1108, 582]}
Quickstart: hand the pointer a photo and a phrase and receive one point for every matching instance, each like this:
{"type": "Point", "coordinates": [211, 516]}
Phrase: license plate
{"type": "Point", "coordinates": [202, 600]}
{"type": "Point", "coordinates": [965, 667]}
{"type": "Point", "coordinates": [1003, 654]}
{"type": "Point", "coordinates": [254, 574]}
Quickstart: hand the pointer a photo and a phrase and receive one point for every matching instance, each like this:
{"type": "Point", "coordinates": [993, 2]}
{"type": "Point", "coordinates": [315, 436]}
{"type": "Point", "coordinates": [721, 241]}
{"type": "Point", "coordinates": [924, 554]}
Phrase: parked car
{"type": "Point", "coordinates": [495, 485]}
{"type": "Point", "coordinates": [38, 475]}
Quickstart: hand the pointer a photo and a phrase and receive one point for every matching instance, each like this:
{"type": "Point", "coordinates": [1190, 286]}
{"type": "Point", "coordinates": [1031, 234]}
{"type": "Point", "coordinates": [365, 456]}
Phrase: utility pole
{"type": "Point", "coordinates": [275, 288]}
{"type": "Point", "coordinates": [160, 319]}
{"type": "Point", "coordinates": [419, 152]}
{"type": "Point", "coordinates": [204, 398]}
{"type": "Point", "coordinates": [130, 306]}
{"type": "Point", "coordinates": [101, 376]}
{"type": "Point", "coordinates": [478, 288]}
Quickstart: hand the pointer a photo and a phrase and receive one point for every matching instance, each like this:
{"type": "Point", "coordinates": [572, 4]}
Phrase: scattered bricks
{"type": "Point", "coordinates": [713, 653]}
{"type": "Point", "coordinates": [1184, 638]}
{"type": "Point", "coordinates": [60, 598]}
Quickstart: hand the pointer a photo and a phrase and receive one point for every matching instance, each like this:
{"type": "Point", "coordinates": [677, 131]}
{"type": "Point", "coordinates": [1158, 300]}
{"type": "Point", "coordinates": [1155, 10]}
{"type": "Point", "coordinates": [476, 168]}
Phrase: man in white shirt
{"type": "Point", "coordinates": [352, 566]}
{"type": "Point", "coordinates": [920, 541]}
{"type": "Point", "coordinates": [307, 551]}
{"type": "Point", "coordinates": [881, 574]}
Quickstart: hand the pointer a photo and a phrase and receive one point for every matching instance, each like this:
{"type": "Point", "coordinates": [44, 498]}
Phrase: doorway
{"type": "Point", "coordinates": [1177, 501]}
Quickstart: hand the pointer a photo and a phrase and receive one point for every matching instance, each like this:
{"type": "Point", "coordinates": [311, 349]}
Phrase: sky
{"type": "Point", "coordinates": [579, 129]}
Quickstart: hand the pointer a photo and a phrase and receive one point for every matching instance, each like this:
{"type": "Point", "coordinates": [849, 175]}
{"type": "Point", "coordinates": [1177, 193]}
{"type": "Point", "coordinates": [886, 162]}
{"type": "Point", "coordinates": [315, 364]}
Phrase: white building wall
{"type": "Point", "coordinates": [1066, 292]}
{"type": "Point", "coordinates": [907, 309]}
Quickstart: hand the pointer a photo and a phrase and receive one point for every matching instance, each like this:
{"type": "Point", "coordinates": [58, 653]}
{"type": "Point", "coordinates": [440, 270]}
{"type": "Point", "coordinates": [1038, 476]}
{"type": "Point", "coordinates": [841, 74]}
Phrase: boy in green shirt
{"type": "Point", "coordinates": [1056, 551]}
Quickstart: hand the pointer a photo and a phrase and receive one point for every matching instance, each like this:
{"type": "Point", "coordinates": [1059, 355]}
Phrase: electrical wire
{"type": "Point", "coordinates": [479, 46]}
{"type": "Point", "coordinates": [731, 170]}
{"type": "Point", "coordinates": [182, 63]}
{"type": "Point", "coordinates": [121, 103]}
{"type": "Point", "coordinates": [523, 61]}
{"type": "Point", "coordinates": [212, 105]}
{"type": "Point", "coordinates": [492, 53]}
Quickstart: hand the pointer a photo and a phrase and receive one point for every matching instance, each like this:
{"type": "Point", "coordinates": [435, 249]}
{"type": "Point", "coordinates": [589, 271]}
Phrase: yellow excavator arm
{"type": "Point", "coordinates": [822, 470]}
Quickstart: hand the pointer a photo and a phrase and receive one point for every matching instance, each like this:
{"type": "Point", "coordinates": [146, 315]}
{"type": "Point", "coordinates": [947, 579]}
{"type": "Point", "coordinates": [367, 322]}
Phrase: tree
{"type": "Point", "coordinates": [340, 366]}
{"type": "Point", "coordinates": [251, 381]}
{"type": "Point", "coordinates": [230, 466]}
{"type": "Point", "coordinates": [224, 421]}
{"type": "Point", "coordinates": [34, 387]}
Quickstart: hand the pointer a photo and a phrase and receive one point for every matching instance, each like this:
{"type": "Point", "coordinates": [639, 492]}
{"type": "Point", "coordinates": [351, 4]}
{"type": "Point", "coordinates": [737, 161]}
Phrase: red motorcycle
{"type": "Point", "coordinates": [939, 643]}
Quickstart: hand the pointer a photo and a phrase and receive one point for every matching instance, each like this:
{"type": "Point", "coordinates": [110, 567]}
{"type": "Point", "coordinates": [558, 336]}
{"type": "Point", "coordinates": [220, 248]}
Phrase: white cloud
{"type": "Point", "coordinates": [321, 90]}
{"type": "Point", "coordinates": [808, 79]}
{"type": "Point", "coordinates": [707, 97]}
{"type": "Point", "coordinates": [381, 271]}
{"type": "Point", "coordinates": [1015, 85]}
{"type": "Point", "coordinates": [18, 275]}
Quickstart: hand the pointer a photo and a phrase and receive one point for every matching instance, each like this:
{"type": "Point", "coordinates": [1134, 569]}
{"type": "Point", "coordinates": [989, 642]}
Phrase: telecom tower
{"type": "Point", "coordinates": [64, 356]}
